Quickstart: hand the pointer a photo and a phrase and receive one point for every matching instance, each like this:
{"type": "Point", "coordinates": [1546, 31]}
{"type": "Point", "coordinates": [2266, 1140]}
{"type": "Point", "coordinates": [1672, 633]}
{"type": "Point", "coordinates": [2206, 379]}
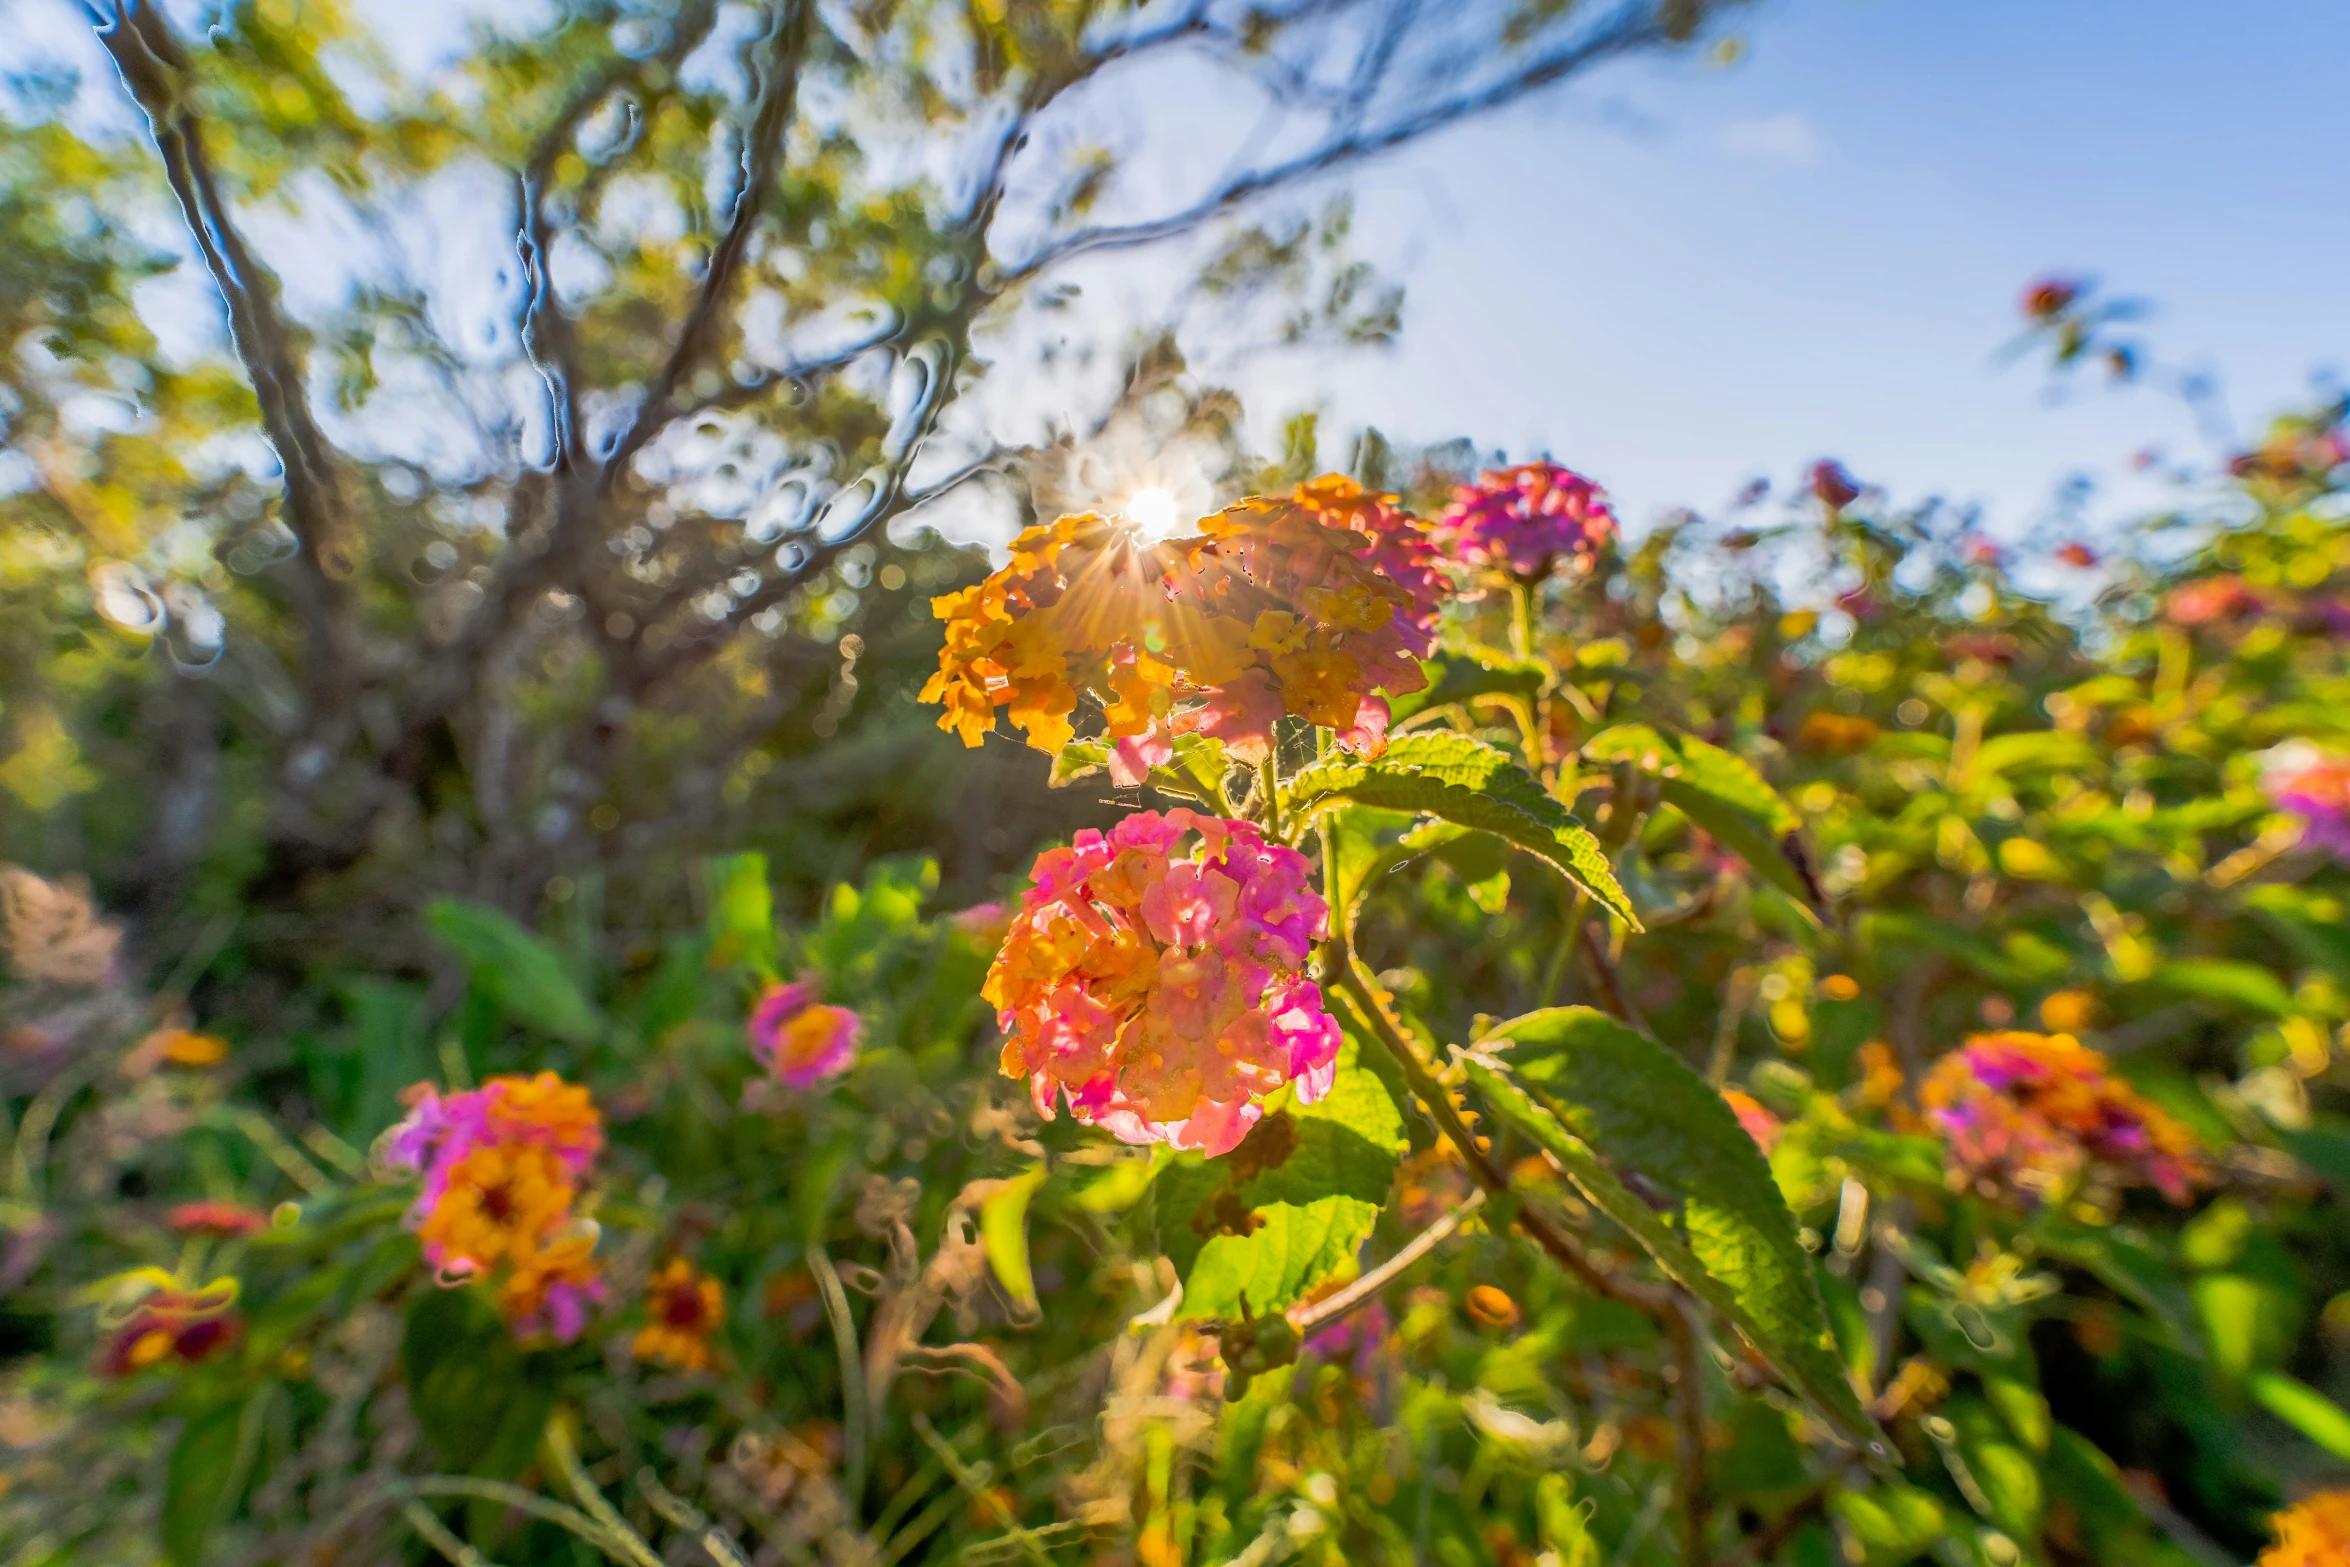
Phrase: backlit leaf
{"type": "Point", "coordinates": [1464, 781]}
{"type": "Point", "coordinates": [1607, 1102]}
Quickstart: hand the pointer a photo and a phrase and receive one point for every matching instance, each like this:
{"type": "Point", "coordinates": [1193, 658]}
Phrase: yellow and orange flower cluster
{"type": "Point", "coordinates": [683, 1308]}
{"type": "Point", "coordinates": [2029, 1116]}
{"type": "Point", "coordinates": [2312, 1533]}
{"type": "Point", "coordinates": [1316, 604]}
{"type": "Point", "coordinates": [501, 1166]}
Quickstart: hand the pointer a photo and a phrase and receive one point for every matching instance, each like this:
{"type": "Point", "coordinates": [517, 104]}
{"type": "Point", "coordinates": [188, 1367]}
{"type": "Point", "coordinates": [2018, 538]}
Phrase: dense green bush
{"type": "Point", "coordinates": [867, 1306]}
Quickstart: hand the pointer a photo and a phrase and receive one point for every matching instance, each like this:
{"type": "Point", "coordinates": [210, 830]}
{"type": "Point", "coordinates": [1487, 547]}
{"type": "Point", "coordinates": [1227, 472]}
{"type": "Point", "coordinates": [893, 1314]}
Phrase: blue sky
{"type": "Point", "coordinates": [1678, 276]}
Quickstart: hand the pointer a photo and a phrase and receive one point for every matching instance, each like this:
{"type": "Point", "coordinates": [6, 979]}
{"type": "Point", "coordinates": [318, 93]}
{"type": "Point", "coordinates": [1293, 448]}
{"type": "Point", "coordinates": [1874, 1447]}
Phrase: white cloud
{"type": "Point", "coordinates": [1789, 139]}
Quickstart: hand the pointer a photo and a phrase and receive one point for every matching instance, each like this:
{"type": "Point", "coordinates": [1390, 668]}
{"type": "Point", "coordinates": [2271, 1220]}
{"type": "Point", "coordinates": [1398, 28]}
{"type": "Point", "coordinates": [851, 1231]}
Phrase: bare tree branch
{"type": "Point", "coordinates": [1634, 26]}
{"type": "Point", "coordinates": [156, 73]}
{"type": "Point", "coordinates": [762, 155]}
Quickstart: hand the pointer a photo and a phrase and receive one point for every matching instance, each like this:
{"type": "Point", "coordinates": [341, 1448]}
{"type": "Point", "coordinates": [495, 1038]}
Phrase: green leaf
{"type": "Point", "coordinates": [1294, 1248]}
{"type": "Point", "coordinates": [2045, 750]}
{"type": "Point", "coordinates": [742, 911]}
{"type": "Point", "coordinates": [2130, 1270]}
{"type": "Point", "coordinates": [1079, 759]}
{"type": "Point", "coordinates": [515, 969]}
{"type": "Point", "coordinates": [1705, 768]}
{"type": "Point", "coordinates": [1306, 1184]}
{"type": "Point", "coordinates": [1891, 1522]}
{"type": "Point", "coordinates": [1470, 784]}
{"type": "Point", "coordinates": [2246, 985]}
{"type": "Point", "coordinates": [2305, 1409]}
{"type": "Point", "coordinates": [2022, 968]}
{"type": "Point", "coordinates": [201, 1481]}
{"type": "Point", "coordinates": [471, 1389]}
{"type": "Point", "coordinates": [1003, 1232]}
{"type": "Point", "coordinates": [1461, 677]}
{"type": "Point", "coordinates": [1724, 795]}
{"type": "Point", "coordinates": [2005, 1478]}
{"type": "Point", "coordinates": [1602, 1099]}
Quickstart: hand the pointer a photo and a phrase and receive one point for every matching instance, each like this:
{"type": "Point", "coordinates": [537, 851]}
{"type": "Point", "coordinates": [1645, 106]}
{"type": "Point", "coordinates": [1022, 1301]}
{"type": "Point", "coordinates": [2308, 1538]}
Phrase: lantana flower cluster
{"type": "Point", "coordinates": [2308, 783]}
{"type": "Point", "coordinates": [1162, 993]}
{"type": "Point", "coordinates": [1316, 605]}
{"type": "Point", "coordinates": [683, 1307]}
{"type": "Point", "coordinates": [2030, 1116]}
{"type": "Point", "coordinates": [2312, 1533]}
{"type": "Point", "coordinates": [1528, 520]}
{"type": "Point", "coordinates": [501, 1167]}
{"type": "Point", "coordinates": [171, 1325]}
{"type": "Point", "coordinates": [801, 1040]}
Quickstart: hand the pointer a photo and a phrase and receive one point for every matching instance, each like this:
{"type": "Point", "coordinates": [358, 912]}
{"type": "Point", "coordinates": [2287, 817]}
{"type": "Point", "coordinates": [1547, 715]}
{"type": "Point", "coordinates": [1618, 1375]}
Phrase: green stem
{"type": "Point", "coordinates": [583, 1486]}
{"type": "Point", "coordinates": [1269, 787]}
{"type": "Point", "coordinates": [974, 1486]}
{"type": "Point", "coordinates": [436, 1534]}
{"type": "Point", "coordinates": [1562, 1248]}
{"type": "Point", "coordinates": [855, 1417]}
{"type": "Point", "coordinates": [1556, 974]}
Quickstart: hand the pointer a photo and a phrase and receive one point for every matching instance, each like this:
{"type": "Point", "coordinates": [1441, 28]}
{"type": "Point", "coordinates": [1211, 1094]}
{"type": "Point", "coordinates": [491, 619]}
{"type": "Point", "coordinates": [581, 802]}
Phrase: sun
{"type": "Point", "coordinates": [1153, 512]}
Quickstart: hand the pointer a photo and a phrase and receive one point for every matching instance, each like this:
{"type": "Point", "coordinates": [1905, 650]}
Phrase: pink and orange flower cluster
{"type": "Point", "coordinates": [2030, 1117]}
{"type": "Point", "coordinates": [2306, 782]}
{"type": "Point", "coordinates": [501, 1167]}
{"type": "Point", "coordinates": [1317, 605]}
{"type": "Point", "coordinates": [1161, 993]}
{"type": "Point", "coordinates": [799, 1039]}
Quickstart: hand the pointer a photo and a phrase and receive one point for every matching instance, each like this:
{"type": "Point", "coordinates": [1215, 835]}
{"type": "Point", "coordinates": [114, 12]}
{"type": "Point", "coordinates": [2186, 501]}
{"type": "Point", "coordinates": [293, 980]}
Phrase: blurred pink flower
{"type": "Point", "coordinates": [2314, 786]}
{"type": "Point", "coordinates": [799, 1040]}
{"type": "Point", "coordinates": [2027, 1116]}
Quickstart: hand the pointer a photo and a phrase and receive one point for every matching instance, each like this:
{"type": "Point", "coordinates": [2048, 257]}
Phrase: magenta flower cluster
{"type": "Point", "coordinates": [1527, 520]}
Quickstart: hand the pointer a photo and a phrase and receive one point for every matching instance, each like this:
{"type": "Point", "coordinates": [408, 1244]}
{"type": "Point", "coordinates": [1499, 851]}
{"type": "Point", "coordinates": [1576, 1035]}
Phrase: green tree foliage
{"type": "Point", "coordinates": [548, 499]}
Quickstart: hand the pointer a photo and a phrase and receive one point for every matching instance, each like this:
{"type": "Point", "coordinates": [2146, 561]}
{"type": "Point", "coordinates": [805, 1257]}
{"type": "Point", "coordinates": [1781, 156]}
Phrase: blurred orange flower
{"type": "Point", "coordinates": [685, 1306]}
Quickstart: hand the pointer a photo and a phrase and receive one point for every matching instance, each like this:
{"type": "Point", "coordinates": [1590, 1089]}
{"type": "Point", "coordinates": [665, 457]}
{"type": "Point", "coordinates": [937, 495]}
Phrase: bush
{"type": "Point", "coordinates": [1561, 1054]}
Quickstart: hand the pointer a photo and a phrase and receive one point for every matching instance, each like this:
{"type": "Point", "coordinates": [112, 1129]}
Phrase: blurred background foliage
{"type": "Point", "coordinates": [542, 589]}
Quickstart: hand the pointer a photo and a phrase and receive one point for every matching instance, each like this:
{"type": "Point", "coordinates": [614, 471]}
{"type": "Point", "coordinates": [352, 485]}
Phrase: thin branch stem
{"type": "Point", "coordinates": [974, 1486]}
{"type": "Point", "coordinates": [1307, 1318]}
{"type": "Point", "coordinates": [1688, 1400]}
{"type": "Point", "coordinates": [1436, 1100]}
{"type": "Point", "coordinates": [762, 157]}
{"type": "Point", "coordinates": [1633, 26]}
{"type": "Point", "coordinates": [1611, 986]}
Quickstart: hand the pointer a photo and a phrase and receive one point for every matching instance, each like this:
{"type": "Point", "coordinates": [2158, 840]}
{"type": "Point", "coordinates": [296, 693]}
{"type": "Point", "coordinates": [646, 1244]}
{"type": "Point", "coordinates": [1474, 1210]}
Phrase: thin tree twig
{"type": "Point", "coordinates": [1610, 986]}
{"type": "Point", "coordinates": [1634, 26]}
{"type": "Point", "coordinates": [762, 156]}
{"type": "Point", "coordinates": [1690, 1491]}
{"type": "Point", "coordinates": [1307, 1318]}
{"type": "Point", "coordinates": [157, 75]}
